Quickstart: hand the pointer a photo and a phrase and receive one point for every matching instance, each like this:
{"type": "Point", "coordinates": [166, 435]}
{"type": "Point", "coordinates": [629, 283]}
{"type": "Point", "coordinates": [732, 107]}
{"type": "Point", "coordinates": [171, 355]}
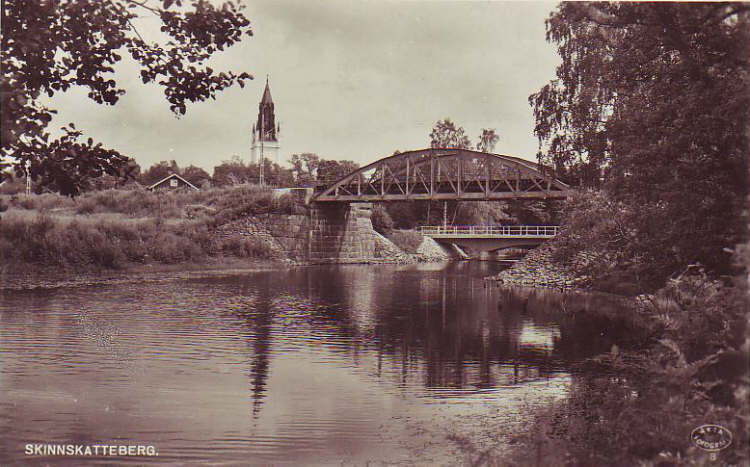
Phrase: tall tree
{"type": "Point", "coordinates": [651, 100]}
{"type": "Point", "coordinates": [487, 140]}
{"type": "Point", "coordinates": [195, 175]}
{"type": "Point", "coordinates": [329, 170]}
{"type": "Point", "coordinates": [48, 46]}
{"type": "Point", "coordinates": [234, 171]}
{"type": "Point", "coordinates": [305, 168]}
{"type": "Point", "coordinates": [445, 134]}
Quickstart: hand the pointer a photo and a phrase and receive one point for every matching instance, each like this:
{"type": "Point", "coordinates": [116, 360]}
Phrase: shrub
{"type": "Point", "coordinates": [638, 407]}
{"type": "Point", "coordinates": [86, 206]}
{"type": "Point", "coordinates": [381, 220]}
{"type": "Point", "coordinates": [247, 247]}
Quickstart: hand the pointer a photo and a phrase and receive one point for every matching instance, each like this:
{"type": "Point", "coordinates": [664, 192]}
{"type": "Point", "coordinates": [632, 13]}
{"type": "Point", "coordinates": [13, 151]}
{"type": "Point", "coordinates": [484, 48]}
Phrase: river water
{"type": "Point", "coordinates": [315, 365]}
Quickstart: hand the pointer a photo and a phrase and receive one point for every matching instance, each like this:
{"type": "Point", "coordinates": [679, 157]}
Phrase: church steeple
{"type": "Point", "coordinates": [267, 94]}
{"type": "Point", "coordinates": [266, 125]}
{"type": "Point", "coordinates": [266, 131]}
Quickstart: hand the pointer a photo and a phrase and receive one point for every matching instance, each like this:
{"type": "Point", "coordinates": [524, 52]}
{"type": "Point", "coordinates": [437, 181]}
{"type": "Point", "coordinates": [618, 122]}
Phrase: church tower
{"type": "Point", "coordinates": [265, 131]}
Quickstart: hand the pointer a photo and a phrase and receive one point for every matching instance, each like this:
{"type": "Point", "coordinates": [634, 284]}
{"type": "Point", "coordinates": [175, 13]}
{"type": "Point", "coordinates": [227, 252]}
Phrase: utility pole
{"type": "Point", "coordinates": [262, 155]}
{"type": "Point", "coordinates": [28, 178]}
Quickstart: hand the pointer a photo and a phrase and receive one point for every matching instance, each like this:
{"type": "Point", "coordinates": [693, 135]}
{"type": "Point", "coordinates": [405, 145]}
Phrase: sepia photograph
{"type": "Point", "coordinates": [374, 233]}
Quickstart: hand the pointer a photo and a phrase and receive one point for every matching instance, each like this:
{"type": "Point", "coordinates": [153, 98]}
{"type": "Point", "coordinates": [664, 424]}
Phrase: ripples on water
{"type": "Point", "coordinates": [305, 365]}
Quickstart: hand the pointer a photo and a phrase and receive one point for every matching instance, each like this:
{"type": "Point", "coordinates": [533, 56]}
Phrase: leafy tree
{"type": "Point", "coordinates": [234, 172]}
{"type": "Point", "coordinates": [305, 168]}
{"type": "Point", "coordinates": [381, 220]}
{"type": "Point", "coordinates": [195, 175]}
{"type": "Point", "coordinates": [49, 46]}
{"type": "Point", "coordinates": [487, 140]}
{"type": "Point", "coordinates": [445, 134]}
{"type": "Point", "coordinates": [160, 171]}
{"type": "Point", "coordinates": [275, 175]}
{"type": "Point", "coordinates": [330, 171]}
{"type": "Point", "coordinates": [128, 173]}
{"type": "Point", "coordinates": [651, 100]}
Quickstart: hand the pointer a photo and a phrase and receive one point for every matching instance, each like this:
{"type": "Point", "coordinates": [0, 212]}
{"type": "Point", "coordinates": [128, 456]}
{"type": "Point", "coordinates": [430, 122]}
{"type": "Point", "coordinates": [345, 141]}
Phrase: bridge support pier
{"type": "Point", "coordinates": [341, 232]}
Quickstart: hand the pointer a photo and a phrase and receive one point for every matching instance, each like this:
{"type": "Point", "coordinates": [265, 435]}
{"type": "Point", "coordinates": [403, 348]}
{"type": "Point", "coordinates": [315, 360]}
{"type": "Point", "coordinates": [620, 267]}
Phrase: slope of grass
{"type": "Point", "coordinates": [109, 229]}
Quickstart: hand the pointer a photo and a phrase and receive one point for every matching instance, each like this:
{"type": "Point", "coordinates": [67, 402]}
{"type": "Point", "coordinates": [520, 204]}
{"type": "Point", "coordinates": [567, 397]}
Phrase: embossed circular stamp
{"type": "Point", "coordinates": [711, 438]}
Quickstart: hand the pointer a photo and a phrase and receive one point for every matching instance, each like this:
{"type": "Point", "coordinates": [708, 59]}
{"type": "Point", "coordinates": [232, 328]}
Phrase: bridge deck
{"type": "Point", "coordinates": [505, 231]}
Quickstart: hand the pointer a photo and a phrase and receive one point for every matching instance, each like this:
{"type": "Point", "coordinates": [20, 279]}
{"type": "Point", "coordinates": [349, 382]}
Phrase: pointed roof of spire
{"type": "Point", "coordinates": [267, 94]}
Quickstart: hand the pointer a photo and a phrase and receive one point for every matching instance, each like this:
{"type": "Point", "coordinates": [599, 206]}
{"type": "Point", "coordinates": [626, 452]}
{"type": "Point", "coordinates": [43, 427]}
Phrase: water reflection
{"type": "Point", "coordinates": [287, 365]}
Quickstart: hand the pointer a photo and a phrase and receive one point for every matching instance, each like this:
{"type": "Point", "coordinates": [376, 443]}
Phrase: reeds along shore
{"type": "Point", "coordinates": [112, 228]}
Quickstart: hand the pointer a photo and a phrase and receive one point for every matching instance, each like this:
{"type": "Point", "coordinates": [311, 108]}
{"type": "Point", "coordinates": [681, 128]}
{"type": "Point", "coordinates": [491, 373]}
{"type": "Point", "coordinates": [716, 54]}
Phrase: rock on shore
{"type": "Point", "coordinates": [538, 269]}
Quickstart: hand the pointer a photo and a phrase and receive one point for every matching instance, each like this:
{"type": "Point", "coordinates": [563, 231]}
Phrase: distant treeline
{"type": "Point", "coordinates": [306, 170]}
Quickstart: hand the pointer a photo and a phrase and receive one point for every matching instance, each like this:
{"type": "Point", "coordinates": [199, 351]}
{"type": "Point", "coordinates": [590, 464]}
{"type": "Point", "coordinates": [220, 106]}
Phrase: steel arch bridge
{"type": "Point", "coordinates": [444, 174]}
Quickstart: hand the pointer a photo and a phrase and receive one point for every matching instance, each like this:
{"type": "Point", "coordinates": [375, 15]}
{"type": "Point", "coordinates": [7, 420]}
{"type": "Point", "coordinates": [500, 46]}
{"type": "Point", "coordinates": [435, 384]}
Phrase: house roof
{"type": "Point", "coordinates": [172, 176]}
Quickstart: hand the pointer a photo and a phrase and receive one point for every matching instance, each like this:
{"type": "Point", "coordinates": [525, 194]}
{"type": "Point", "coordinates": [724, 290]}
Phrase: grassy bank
{"type": "Point", "coordinates": [111, 229]}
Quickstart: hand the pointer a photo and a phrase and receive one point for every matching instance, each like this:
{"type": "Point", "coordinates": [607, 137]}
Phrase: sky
{"type": "Point", "coordinates": [350, 79]}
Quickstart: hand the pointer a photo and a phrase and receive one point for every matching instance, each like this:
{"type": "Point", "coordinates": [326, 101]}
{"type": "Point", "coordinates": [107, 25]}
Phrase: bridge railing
{"type": "Point", "coordinates": [539, 231]}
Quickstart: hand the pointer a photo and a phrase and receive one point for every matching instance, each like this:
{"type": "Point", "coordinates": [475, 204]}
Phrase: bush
{"type": "Point", "coordinates": [108, 239]}
{"type": "Point", "coordinates": [247, 247]}
{"type": "Point", "coordinates": [638, 407]}
{"type": "Point", "coordinates": [381, 220]}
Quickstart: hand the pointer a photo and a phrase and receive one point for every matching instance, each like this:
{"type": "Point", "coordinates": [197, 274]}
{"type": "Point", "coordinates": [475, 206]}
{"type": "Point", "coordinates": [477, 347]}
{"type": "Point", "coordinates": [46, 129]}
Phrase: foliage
{"type": "Point", "coordinates": [487, 140]}
{"type": "Point", "coordinates": [651, 100]}
{"type": "Point", "coordinates": [627, 244]}
{"type": "Point", "coordinates": [305, 168]}
{"type": "Point", "coordinates": [638, 407]}
{"type": "Point", "coordinates": [226, 202]}
{"type": "Point", "coordinates": [235, 172]}
{"type": "Point", "coordinates": [50, 46]}
{"type": "Point", "coordinates": [247, 247]}
{"type": "Point", "coordinates": [115, 227]}
{"type": "Point", "coordinates": [309, 169]}
{"type": "Point", "coordinates": [159, 171]}
{"type": "Point", "coordinates": [445, 134]}
{"type": "Point", "coordinates": [330, 171]}
{"type": "Point", "coordinates": [196, 176]}
{"type": "Point", "coordinates": [381, 220]}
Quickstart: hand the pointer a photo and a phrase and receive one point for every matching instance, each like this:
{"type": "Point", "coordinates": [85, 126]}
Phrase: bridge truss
{"type": "Point", "coordinates": [444, 174]}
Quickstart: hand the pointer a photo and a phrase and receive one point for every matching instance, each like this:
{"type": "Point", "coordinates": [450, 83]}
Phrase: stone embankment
{"type": "Point", "coordinates": [430, 250]}
{"type": "Point", "coordinates": [285, 235]}
{"type": "Point", "coordinates": [288, 237]}
{"type": "Point", "coordinates": [537, 269]}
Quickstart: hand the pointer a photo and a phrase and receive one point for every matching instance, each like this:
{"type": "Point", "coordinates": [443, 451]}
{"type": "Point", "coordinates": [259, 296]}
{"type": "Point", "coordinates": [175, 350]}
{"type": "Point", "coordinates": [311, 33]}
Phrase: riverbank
{"type": "Point", "coordinates": [690, 370]}
{"type": "Point", "coordinates": [26, 276]}
{"type": "Point", "coordinates": [46, 277]}
{"type": "Point", "coordinates": [134, 231]}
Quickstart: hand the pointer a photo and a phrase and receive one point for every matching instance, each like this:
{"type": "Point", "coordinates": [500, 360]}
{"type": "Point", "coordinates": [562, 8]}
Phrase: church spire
{"type": "Point", "coordinates": [266, 124]}
{"type": "Point", "coordinates": [267, 94]}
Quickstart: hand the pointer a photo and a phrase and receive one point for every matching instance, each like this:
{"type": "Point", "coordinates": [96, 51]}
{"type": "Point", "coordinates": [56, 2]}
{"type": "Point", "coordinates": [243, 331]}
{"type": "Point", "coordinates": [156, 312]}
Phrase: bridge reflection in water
{"type": "Point", "coordinates": [440, 326]}
{"type": "Point", "coordinates": [282, 366]}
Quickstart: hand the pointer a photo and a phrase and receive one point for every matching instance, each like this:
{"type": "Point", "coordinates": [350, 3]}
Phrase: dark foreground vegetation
{"type": "Point", "coordinates": [114, 228]}
{"type": "Point", "coordinates": [638, 406]}
{"type": "Point", "coordinates": [648, 116]}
